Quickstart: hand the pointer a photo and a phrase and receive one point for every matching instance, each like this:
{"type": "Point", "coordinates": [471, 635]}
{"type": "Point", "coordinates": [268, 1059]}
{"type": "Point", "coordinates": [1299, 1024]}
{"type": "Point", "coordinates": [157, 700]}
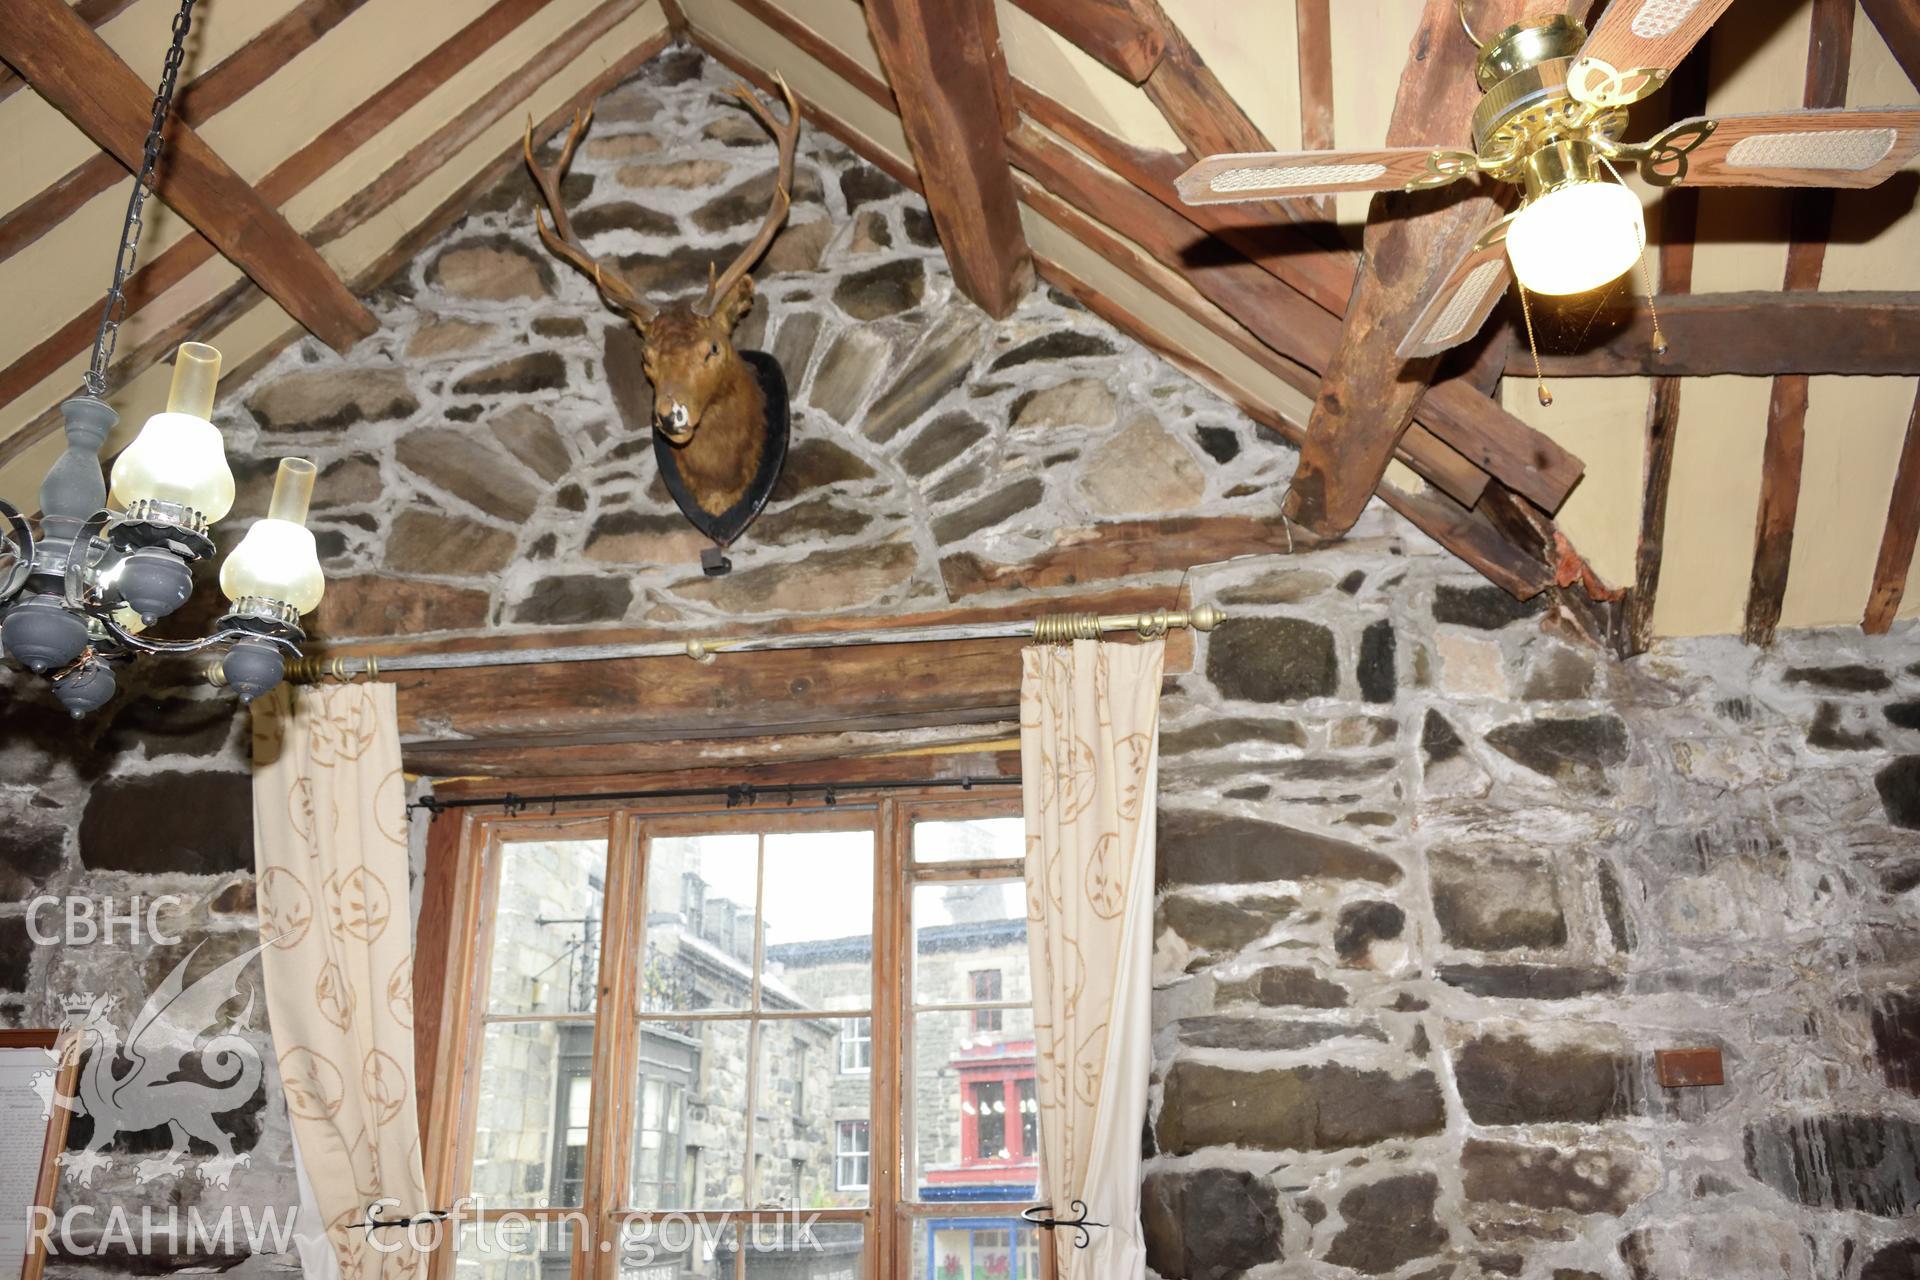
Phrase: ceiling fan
{"type": "Point", "coordinates": [1550, 121]}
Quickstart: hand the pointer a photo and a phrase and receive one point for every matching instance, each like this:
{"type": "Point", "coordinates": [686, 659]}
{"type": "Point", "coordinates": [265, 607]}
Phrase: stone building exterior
{"type": "Point", "coordinates": [1437, 882]}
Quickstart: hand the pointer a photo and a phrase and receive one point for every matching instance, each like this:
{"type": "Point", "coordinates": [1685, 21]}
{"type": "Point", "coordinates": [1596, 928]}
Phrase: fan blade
{"type": "Point", "coordinates": [1274, 175]}
{"type": "Point", "coordinates": [1636, 46]}
{"type": "Point", "coordinates": [1843, 147]}
{"type": "Point", "coordinates": [1462, 298]}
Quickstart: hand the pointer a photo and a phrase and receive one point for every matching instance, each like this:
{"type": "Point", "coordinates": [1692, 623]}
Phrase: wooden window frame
{"type": "Point", "coordinates": [453, 957]}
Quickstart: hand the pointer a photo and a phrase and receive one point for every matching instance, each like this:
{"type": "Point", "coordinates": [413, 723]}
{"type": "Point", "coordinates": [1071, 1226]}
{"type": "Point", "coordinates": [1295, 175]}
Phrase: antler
{"type": "Point", "coordinates": [787, 136]}
{"type": "Point", "coordinates": [560, 239]}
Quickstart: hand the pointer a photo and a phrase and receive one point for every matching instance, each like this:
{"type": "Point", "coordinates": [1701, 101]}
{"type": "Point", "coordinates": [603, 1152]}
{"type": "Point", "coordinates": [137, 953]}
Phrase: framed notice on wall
{"type": "Point", "coordinates": [33, 1132]}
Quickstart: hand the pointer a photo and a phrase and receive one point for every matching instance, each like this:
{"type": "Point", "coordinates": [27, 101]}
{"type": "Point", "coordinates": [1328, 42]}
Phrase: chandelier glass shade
{"type": "Point", "coordinates": [78, 592]}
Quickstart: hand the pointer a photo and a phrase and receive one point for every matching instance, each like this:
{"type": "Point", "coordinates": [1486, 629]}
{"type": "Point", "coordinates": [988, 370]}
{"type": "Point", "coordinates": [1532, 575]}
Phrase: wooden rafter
{"type": "Point", "coordinates": [1896, 543]}
{"type": "Point", "coordinates": [937, 57]}
{"type": "Point", "coordinates": [1313, 62]}
{"type": "Point", "coordinates": [1679, 222]}
{"type": "Point", "coordinates": [95, 13]}
{"type": "Point", "coordinates": [198, 101]}
{"type": "Point", "coordinates": [1126, 37]}
{"type": "Point", "coordinates": [1368, 395]}
{"type": "Point", "coordinates": [1829, 50]}
{"type": "Point", "coordinates": [287, 179]}
{"type": "Point", "coordinates": [302, 168]}
{"type": "Point", "coordinates": [79, 75]}
{"type": "Point", "coordinates": [1753, 334]}
{"type": "Point", "coordinates": [1898, 22]}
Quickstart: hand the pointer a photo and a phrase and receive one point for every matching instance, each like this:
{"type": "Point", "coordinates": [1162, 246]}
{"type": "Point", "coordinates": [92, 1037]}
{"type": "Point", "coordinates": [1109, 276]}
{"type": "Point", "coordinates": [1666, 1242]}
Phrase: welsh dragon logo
{"type": "Point", "coordinates": [176, 1067]}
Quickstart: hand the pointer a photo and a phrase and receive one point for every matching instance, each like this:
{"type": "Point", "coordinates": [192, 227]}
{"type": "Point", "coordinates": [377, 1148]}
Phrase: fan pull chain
{"type": "Point", "coordinates": [1539, 378]}
{"type": "Point", "coordinates": [1646, 273]}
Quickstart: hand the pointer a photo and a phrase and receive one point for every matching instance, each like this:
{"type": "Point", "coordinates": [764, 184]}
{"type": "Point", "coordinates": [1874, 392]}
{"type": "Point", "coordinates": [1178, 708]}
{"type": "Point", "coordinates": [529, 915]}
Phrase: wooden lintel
{"type": "Point", "coordinates": [1898, 22]}
{"type": "Point", "coordinates": [1829, 51]}
{"type": "Point", "coordinates": [1369, 394]}
{"type": "Point", "coordinates": [1753, 334]}
{"type": "Point", "coordinates": [1896, 543]}
{"type": "Point", "coordinates": [81, 77]}
{"type": "Point", "coordinates": [1127, 39]}
{"type": "Point", "coordinates": [938, 60]}
{"type": "Point", "coordinates": [987, 750]}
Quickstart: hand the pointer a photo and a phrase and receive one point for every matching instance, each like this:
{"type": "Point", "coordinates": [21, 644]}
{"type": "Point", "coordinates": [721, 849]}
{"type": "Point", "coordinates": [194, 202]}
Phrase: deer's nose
{"type": "Point", "coordinates": [674, 421]}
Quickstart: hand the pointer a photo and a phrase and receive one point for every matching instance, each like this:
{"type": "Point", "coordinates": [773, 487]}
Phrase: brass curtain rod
{"type": "Point", "coordinates": [1048, 629]}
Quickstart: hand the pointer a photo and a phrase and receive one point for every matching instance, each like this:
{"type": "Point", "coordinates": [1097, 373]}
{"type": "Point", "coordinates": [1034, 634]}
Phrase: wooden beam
{"type": "Point", "coordinates": [1127, 39]}
{"type": "Point", "coordinates": [1368, 395]}
{"type": "Point", "coordinates": [83, 78]}
{"type": "Point", "coordinates": [1276, 329]}
{"type": "Point", "coordinates": [1829, 49]}
{"type": "Point", "coordinates": [1754, 334]}
{"type": "Point", "coordinates": [1313, 63]}
{"type": "Point", "coordinates": [95, 13]}
{"type": "Point", "coordinates": [198, 101]}
{"type": "Point", "coordinates": [937, 57]}
{"type": "Point", "coordinates": [1898, 22]}
{"type": "Point", "coordinates": [1121, 550]}
{"type": "Point", "coordinates": [290, 177]}
{"type": "Point", "coordinates": [1896, 544]}
{"type": "Point", "coordinates": [821, 50]}
{"type": "Point", "coordinates": [1679, 224]}
{"type": "Point", "coordinates": [307, 164]}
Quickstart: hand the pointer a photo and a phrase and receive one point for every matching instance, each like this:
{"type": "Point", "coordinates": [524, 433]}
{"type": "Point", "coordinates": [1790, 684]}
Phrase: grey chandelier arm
{"type": "Point", "coordinates": [21, 542]}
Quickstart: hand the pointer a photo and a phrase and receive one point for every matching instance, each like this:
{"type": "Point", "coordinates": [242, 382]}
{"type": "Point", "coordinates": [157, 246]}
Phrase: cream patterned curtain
{"type": "Point", "coordinates": [1089, 752]}
{"type": "Point", "coordinates": [330, 848]}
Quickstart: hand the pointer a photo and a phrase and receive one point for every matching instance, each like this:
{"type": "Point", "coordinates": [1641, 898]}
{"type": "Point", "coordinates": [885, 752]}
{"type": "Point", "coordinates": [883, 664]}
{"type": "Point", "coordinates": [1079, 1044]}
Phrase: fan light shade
{"type": "Point", "coordinates": [1576, 237]}
{"type": "Point", "coordinates": [178, 456]}
{"type": "Point", "coordinates": [278, 559]}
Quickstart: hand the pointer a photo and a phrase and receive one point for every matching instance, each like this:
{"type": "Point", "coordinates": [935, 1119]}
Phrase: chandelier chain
{"type": "Point", "coordinates": [115, 309]}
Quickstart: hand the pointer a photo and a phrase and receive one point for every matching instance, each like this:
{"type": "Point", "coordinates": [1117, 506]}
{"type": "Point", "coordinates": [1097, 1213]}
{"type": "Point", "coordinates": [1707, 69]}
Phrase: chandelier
{"type": "Point", "coordinates": [76, 594]}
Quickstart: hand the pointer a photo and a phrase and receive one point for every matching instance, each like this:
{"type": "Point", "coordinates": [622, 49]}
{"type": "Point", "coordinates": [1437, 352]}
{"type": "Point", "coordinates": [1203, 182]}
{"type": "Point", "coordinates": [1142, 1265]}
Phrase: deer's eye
{"type": "Point", "coordinates": [713, 350]}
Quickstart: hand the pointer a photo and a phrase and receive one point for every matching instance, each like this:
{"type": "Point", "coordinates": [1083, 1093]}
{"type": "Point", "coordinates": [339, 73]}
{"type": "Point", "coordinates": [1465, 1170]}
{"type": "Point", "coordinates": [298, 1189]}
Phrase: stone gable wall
{"type": "Point", "coordinates": [1435, 883]}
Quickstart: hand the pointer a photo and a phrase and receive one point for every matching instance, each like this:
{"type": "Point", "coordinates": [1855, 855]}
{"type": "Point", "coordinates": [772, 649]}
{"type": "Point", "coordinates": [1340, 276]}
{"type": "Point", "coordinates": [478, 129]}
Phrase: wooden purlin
{"type": "Point", "coordinates": [1895, 559]}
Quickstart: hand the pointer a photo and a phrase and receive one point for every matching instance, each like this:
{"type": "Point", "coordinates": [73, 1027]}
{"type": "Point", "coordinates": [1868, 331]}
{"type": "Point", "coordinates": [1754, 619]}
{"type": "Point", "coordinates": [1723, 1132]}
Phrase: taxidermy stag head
{"type": "Point", "coordinates": [707, 400]}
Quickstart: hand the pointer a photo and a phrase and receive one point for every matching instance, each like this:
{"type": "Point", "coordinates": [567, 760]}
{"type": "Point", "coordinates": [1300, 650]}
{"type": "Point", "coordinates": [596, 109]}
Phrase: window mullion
{"type": "Point", "coordinates": [612, 1044]}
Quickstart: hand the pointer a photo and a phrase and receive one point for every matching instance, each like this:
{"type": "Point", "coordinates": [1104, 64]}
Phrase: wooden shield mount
{"type": "Point", "coordinates": [724, 526]}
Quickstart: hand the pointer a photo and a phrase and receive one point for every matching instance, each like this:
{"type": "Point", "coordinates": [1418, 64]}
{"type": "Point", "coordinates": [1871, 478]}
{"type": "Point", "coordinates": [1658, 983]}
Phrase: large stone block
{"type": "Point", "coordinates": [1565, 750]}
{"type": "Point", "coordinates": [1310, 1108]}
{"type": "Point", "coordinates": [1487, 608]}
{"type": "Point", "coordinates": [1899, 787]}
{"type": "Point", "coordinates": [375, 605]}
{"type": "Point", "coordinates": [572, 599]}
{"type": "Point", "coordinates": [198, 823]}
{"type": "Point", "coordinates": [1206, 848]}
{"type": "Point", "coordinates": [1859, 1163]}
{"type": "Point", "coordinates": [1496, 904]}
{"type": "Point", "coordinates": [1729, 1243]}
{"type": "Point", "coordinates": [1287, 985]}
{"type": "Point", "coordinates": [1896, 1039]}
{"type": "Point", "coordinates": [1272, 660]}
{"type": "Point", "coordinates": [1389, 1222]}
{"type": "Point", "coordinates": [1209, 1224]}
{"type": "Point", "coordinates": [1217, 926]}
{"type": "Point", "coordinates": [1607, 1180]}
{"type": "Point", "coordinates": [1510, 1080]}
{"type": "Point", "coordinates": [471, 469]}
{"type": "Point", "coordinates": [332, 399]}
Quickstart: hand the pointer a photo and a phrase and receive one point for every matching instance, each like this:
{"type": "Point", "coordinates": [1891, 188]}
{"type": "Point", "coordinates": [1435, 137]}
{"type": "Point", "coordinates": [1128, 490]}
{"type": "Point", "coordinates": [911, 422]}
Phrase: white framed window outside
{"type": "Point", "coordinates": [852, 1155]}
{"type": "Point", "coordinates": [856, 1046]}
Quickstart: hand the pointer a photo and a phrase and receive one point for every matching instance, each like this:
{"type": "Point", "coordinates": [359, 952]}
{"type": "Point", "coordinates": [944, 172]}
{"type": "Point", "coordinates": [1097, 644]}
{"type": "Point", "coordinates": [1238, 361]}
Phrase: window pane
{"type": "Point", "coordinates": [972, 840]}
{"type": "Point", "coordinates": [801, 1107]}
{"type": "Point", "coordinates": [855, 1046]}
{"type": "Point", "coordinates": [535, 1081]}
{"type": "Point", "coordinates": [537, 1250]}
{"type": "Point", "coordinates": [776, 1249]}
{"type": "Point", "coordinates": [976, 1249]}
{"type": "Point", "coordinates": [819, 914]}
{"type": "Point", "coordinates": [546, 926]}
{"type": "Point", "coordinates": [967, 928]}
{"type": "Point", "coordinates": [690, 1116]}
{"type": "Point", "coordinates": [699, 928]}
{"type": "Point", "coordinates": [968, 1102]}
